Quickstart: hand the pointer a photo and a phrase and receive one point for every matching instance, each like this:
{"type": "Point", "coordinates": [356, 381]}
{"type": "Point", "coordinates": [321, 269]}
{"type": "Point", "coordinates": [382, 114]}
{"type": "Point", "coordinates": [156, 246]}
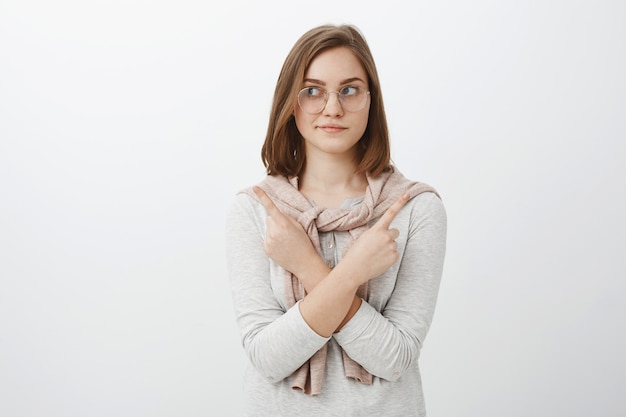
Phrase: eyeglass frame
{"type": "Point", "coordinates": [327, 95]}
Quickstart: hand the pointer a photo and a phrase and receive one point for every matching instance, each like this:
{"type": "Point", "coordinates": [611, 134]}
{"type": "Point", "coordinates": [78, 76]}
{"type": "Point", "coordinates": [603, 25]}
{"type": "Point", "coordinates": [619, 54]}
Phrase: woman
{"type": "Point", "coordinates": [335, 258]}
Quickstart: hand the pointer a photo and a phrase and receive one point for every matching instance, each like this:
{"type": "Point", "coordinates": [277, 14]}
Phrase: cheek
{"type": "Point", "coordinates": [303, 121]}
{"type": "Point", "coordinates": [364, 120]}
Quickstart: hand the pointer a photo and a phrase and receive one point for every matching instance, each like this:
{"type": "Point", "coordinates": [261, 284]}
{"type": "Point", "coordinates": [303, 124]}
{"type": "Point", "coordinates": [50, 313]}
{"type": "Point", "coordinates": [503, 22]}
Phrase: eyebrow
{"type": "Point", "coordinates": [320, 82]}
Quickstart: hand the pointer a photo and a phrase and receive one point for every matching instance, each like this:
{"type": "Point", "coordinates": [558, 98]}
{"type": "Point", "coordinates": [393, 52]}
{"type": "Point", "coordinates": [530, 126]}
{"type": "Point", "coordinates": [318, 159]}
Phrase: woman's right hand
{"type": "Point", "coordinates": [286, 242]}
{"type": "Point", "coordinates": [376, 250]}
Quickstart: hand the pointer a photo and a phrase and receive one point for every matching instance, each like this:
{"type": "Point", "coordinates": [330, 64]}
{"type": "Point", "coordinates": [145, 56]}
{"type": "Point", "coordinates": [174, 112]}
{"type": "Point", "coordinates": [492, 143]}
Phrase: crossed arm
{"type": "Point", "coordinates": [331, 300]}
{"type": "Point", "coordinates": [384, 337]}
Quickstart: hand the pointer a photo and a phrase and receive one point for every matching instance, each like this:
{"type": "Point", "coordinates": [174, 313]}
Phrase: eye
{"type": "Point", "coordinates": [313, 91]}
{"type": "Point", "coordinates": [349, 91]}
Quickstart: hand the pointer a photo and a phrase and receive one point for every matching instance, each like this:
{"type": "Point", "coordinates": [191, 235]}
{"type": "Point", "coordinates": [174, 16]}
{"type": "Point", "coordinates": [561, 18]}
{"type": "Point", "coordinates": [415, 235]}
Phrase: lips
{"type": "Point", "coordinates": [330, 128]}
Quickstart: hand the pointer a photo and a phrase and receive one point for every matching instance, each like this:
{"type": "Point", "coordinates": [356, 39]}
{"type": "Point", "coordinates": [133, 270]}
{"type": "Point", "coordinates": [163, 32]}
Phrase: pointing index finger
{"type": "Point", "coordinates": [267, 202]}
{"type": "Point", "coordinates": [392, 211]}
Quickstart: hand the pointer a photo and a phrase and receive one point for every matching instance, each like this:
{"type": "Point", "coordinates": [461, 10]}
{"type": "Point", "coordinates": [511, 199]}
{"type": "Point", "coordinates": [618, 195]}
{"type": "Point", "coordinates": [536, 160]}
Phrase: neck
{"type": "Point", "coordinates": [328, 181]}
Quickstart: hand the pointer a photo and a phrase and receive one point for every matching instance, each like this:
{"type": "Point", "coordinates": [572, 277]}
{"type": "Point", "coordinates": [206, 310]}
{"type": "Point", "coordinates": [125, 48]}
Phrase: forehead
{"type": "Point", "coordinates": [335, 65]}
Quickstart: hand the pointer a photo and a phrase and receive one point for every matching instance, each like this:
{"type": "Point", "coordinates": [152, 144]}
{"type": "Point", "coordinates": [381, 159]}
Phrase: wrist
{"type": "Point", "coordinates": [354, 270]}
{"type": "Point", "coordinates": [348, 274]}
{"type": "Point", "coordinates": [356, 304]}
{"type": "Point", "coordinates": [312, 272]}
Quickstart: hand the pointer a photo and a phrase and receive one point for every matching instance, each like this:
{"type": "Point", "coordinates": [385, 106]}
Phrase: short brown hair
{"type": "Point", "coordinates": [283, 151]}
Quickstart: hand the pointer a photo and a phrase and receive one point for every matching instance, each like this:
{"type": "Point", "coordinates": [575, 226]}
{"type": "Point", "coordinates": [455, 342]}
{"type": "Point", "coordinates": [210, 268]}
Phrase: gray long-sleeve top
{"type": "Point", "coordinates": [384, 336]}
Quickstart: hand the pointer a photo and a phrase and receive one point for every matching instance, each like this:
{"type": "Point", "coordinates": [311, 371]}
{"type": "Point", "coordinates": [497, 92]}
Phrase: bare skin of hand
{"type": "Point", "coordinates": [376, 250]}
{"type": "Point", "coordinates": [287, 243]}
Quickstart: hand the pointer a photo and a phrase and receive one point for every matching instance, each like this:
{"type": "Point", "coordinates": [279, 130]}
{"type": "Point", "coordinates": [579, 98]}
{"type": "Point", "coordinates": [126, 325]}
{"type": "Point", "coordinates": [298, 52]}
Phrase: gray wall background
{"type": "Point", "coordinates": [127, 126]}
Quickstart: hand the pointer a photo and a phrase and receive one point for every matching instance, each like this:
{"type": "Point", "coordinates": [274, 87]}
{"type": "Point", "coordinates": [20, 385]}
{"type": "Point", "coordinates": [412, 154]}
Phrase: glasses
{"type": "Point", "coordinates": [312, 100]}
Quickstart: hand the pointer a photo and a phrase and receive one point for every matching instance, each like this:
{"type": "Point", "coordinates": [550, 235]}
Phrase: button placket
{"type": "Point", "coordinates": [330, 249]}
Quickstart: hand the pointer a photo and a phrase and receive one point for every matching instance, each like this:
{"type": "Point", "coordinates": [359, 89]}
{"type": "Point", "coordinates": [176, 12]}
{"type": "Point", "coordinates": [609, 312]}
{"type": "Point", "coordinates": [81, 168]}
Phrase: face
{"type": "Point", "coordinates": [334, 130]}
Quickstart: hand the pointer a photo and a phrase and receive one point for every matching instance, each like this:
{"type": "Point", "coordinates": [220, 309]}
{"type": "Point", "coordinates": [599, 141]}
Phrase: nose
{"type": "Point", "coordinates": [333, 105]}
